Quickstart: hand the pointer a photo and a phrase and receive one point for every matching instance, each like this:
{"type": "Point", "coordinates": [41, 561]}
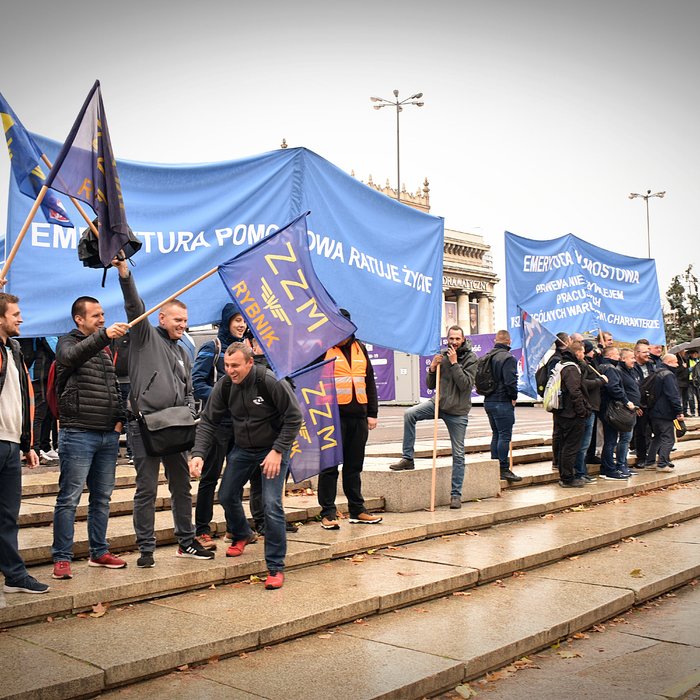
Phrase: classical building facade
{"type": "Point", "coordinates": [468, 280]}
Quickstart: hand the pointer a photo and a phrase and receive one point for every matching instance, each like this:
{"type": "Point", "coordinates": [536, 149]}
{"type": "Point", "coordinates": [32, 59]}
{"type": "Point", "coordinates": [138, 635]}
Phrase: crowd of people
{"type": "Point", "coordinates": [108, 376]}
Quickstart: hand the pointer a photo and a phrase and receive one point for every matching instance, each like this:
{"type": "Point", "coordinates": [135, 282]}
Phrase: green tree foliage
{"type": "Point", "coordinates": [683, 319]}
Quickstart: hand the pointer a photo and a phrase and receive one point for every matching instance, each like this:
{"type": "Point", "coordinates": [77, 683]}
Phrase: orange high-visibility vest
{"type": "Point", "coordinates": [349, 376]}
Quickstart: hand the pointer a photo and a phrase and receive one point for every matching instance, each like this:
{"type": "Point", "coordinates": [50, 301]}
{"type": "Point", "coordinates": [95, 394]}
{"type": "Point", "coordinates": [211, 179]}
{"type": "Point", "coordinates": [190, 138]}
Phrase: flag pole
{"type": "Point", "coordinates": [76, 203]}
{"type": "Point", "coordinates": [199, 279]}
{"type": "Point", "coordinates": [22, 233]}
{"type": "Point", "coordinates": [435, 430]}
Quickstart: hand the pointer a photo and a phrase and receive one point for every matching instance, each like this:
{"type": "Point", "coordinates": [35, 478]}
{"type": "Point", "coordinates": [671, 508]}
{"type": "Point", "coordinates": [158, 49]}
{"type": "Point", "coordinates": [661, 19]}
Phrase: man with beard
{"type": "Point", "coordinates": [457, 372]}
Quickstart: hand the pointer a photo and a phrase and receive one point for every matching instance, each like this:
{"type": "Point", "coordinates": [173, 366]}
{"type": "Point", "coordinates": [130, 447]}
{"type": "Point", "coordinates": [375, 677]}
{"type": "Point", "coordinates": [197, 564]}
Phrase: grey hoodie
{"type": "Point", "coordinates": [159, 369]}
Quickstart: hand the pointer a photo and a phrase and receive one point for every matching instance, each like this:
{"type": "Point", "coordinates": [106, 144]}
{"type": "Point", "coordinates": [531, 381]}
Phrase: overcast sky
{"type": "Point", "coordinates": [540, 117]}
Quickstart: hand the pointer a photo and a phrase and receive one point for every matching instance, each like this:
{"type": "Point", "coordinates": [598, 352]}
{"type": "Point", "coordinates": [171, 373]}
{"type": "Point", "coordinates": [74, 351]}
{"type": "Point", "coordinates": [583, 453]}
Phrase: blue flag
{"type": "Point", "coordinates": [26, 162]}
{"type": "Point", "coordinates": [286, 307]}
{"type": "Point", "coordinates": [536, 342]}
{"type": "Point", "coordinates": [319, 443]}
{"type": "Point", "coordinates": [87, 170]}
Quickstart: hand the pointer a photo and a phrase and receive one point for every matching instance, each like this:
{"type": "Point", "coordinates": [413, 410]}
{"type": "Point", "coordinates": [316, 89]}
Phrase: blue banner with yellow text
{"type": "Point", "coordinates": [567, 284]}
{"type": "Point", "coordinates": [378, 258]}
{"type": "Point", "coordinates": [289, 312]}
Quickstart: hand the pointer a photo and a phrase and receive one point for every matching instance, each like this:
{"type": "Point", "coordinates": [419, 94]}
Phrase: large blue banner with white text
{"type": "Point", "coordinates": [567, 284]}
{"type": "Point", "coordinates": [378, 258]}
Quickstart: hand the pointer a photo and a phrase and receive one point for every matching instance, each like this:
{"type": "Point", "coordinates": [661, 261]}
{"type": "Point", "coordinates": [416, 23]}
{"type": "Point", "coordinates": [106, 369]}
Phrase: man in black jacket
{"type": "Point", "coordinates": [500, 404]}
{"type": "Point", "coordinates": [92, 415]}
{"type": "Point", "coordinates": [15, 435]}
{"type": "Point", "coordinates": [266, 420]}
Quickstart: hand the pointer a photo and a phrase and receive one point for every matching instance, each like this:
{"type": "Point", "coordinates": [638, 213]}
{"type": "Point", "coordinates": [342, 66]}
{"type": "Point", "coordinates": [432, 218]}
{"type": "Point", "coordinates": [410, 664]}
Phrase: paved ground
{"type": "Point", "coordinates": [650, 653]}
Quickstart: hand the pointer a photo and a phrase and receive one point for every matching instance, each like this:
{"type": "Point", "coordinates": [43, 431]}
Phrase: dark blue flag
{"type": "Point", "coordinates": [536, 342]}
{"type": "Point", "coordinates": [319, 444]}
{"type": "Point", "coordinates": [26, 161]}
{"type": "Point", "coordinates": [86, 169]}
{"type": "Point", "coordinates": [288, 310]}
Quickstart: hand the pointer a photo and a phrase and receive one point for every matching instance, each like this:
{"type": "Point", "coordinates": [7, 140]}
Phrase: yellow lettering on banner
{"type": "Point", "coordinates": [313, 313]}
{"type": "Point", "coordinates": [101, 196]}
{"type": "Point", "coordinates": [328, 434]}
{"type": "Point", "coordinates": [308, 391]}
{"type": "Point", "coordinates": [86, 188]}
{"type": "Point", "coordinates": [302, 284]}
{"type": "Point", "coordinates": [304, 432]}
{"type": "Point", "coordinates": [9, 146]}
{"type": "Point", "coordinates": [296, 450]}
{"type": "Point", "coordinates": [7, 122]}
{"type": "Point", "coordinates": [38, 172]}
{"type": "Point", "coordinates": [101, 164]}
{"type": "Point", "coordinates": [313, 412]}
{"type": "Point", "coordinates": [252, 309]}
{"type": "Point", "coordinates": [240, 288]}
{"type": "Point", "coordinates": [292, 258]}
{"type": "Point", "coordinates": [270, 337]}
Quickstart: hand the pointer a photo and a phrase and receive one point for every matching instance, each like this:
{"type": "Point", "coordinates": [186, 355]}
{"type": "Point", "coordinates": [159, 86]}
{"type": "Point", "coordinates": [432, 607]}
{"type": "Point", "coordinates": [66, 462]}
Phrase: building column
{"type": "Point", "coordinates": [463, 311]}
{"type": "Point", "coordinates": [485, 315]}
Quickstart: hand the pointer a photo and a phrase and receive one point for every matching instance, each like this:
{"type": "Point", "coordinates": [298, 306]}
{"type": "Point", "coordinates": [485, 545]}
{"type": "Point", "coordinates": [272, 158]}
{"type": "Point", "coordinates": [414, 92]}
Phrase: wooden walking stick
{"type": "Point", "coordinates": [435, 431]}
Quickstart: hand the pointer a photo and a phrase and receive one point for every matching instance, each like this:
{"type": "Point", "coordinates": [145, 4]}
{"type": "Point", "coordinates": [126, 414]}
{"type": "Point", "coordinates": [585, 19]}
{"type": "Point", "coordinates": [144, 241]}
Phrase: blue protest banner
{"type": "Point", "coordinates": [378, 258]}
{"type": "Point", "coordinates": [537, 340]}
{"type": "Point", "coordinates": [289, 312]}
{"type": "Point", "coordinates": [319, 444]}
{"type": "Point", "coordinates": [567, 284]}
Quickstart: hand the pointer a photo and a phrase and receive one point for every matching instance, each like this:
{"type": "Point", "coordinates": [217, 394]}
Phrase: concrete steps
{"type": "Point", "coordinates": [354, 575]}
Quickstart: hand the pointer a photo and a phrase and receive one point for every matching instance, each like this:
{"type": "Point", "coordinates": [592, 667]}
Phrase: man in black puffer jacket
{"type": "Point", "coordinates": [92, 415]}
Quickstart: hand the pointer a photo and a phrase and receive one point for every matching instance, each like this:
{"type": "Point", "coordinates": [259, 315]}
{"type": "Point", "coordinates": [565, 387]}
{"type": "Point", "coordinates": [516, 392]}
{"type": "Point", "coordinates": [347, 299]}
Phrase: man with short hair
{"type": "Point", "coordinates": [266, 420]}
{"type": "Point", "coordinates": [667, 407]}
{"type": "Point", "coordinates": [642, 429]}
{"type": "Point", "coordinates": [92, 416]}
{"type": "Point", "coordinates": [15, 435]}
{"type": "Point", "coordinates": [160, 374]}
{"type": "Point", "coordinates": [457, 372]}
{"type": "Point", "coordinates": [500, 404]}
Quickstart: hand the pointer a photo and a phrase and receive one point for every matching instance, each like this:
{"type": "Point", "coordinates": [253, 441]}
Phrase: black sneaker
{"type": "Point", "coordinates": [402, 464]}
{"type": "Point", "coordinates": [146, 561]}
{"type": "Point", "coordinates": [194, 551]}
{"type": "Point", "coordinates": [508, 475]}
{"type": "Point", "coordinates": [26, 585]}
{"type": "Point", "coordinates": [291, 527]}
{"type": "Point", "coordinates": [573, 484]}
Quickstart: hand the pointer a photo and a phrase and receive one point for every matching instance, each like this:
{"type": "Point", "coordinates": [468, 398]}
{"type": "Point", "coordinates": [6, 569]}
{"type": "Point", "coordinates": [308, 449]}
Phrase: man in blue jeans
{"type": "Point", "coordinates": [500, 404]}
{"type": "Point", "coordinates": [91, 418]}
{"type": "Point", "coordinates": [457, 371]}
{"type": "Point", "coordinates": [266, 420]}
{"type": "Point", "coordinates": [15, 435]}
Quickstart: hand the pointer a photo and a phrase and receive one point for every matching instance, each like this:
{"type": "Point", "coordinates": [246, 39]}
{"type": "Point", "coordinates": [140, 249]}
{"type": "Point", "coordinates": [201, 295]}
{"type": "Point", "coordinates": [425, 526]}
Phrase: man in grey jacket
{"type": "Point", "coordinates": [266, 420]}
{"type": "Point", "coordinates": [457, 371]}
{"type": "Point", "coordinates": [160, 373]}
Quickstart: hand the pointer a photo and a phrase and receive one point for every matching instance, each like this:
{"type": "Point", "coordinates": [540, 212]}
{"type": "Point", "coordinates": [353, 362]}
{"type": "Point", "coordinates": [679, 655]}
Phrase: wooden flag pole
{"type": "Point", "coordinates": [435, 431]}
{"type": "Point", "coordinates": [146, 314]}
{"type": "Point", "coordinates": [22, 233]}
{"type": "Point", "coordinates": [76, 203]}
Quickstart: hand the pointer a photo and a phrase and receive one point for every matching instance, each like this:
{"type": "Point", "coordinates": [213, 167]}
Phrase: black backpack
{"type": "Point", "coordinates": [484, 381]}
{"type": "Point", "coordinates": [541, 378]}
{"type": "Point", "coordinates": [648, 388]}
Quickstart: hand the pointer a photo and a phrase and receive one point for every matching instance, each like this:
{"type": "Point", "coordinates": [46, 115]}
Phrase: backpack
{"type": "Point", "coordinates": [51, 393]}
{"type": "Point", "coordinates": [552, 392]}
{"type": "Point", "coordinates": [484, 381]}
{"type": "Point", "coordinates": [648, 389]}
{"type": "Point", "coordinates": [541, 377]}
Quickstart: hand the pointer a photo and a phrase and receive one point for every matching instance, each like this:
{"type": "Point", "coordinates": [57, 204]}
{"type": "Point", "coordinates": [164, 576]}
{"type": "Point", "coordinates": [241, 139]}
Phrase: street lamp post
{"type": "Point", "coordinates": [645, 197]}
{"type": "Point", "coordinates": [399, 105]}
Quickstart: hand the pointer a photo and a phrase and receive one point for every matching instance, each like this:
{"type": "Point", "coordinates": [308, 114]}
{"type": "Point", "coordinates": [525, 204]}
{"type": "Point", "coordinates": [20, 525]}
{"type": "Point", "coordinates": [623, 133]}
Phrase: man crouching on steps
{"type": "Point", "coordinates": [266, 420]}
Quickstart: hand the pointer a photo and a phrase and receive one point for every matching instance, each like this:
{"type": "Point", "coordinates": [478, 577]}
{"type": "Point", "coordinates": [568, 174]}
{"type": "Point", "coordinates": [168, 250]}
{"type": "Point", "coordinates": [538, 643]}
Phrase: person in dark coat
{"type": "Point", "coordinates": [665, 410]}
{"type": "Point", "coordinates": [630, 384]}
{"type": "Point", "coordinates": [571, 418]}
{"type": "Point", "coordinates": [560, 345]}
{"type": "Point", "coordinates": [643, 366]}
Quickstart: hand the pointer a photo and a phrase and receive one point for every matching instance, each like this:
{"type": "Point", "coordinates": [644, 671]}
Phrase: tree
{"type": "Point", "coordinates": [683, 319]}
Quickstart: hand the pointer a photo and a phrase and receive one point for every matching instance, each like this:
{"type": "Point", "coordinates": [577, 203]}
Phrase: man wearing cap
{"type": "Point", "coordinates": [356, 393]}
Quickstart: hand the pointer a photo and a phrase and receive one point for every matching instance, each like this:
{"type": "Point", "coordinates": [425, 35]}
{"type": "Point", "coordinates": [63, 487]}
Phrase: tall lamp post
{"type": "Point", "coordinates": [399, 105]}
{"type": "Point", "coordinates": [645, 197]}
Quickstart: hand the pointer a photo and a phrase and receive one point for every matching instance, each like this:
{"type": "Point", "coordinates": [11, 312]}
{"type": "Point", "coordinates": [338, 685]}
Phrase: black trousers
{"type": "Point", "coordinates": [569, 443]}
{"type": "Point", "coordinates": [642, 437]}
{"type": "Point", "coordinates": [662, 442]}
{"type": "Point", "coordinates": [354, 432]}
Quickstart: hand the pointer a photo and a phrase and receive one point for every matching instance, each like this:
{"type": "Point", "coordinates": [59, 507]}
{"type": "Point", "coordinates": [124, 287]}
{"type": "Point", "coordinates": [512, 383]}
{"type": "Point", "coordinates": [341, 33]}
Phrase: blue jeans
{"type": "Point", "coordinates": [87, 456]}
{"type": "Point", "coordinates": [607, 456]}
{"type": "Point", "coordinates": [580, 468]}
{"type": "Point", "coordinates": [11, 563]}
{"type": "Point", "coordinates": [456, 427]}
{"type": "Point", "coordinates": [502, 419]}
{"type": "Point", "coordinates": [623, 446]}
{"type": "Point", "coordinates": [241, 466]}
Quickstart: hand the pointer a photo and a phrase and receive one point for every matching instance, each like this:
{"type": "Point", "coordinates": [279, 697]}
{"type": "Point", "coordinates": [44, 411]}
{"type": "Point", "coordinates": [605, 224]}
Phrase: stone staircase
{"type": "Point", "coordinates": [404, 609]}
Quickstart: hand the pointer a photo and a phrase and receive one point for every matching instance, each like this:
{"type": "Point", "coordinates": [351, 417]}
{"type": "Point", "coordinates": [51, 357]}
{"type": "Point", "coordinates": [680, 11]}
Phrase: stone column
{"type": "Point", "coordinates": [463, 311]}
{"type": "Point", "coordinates": [485, 315]}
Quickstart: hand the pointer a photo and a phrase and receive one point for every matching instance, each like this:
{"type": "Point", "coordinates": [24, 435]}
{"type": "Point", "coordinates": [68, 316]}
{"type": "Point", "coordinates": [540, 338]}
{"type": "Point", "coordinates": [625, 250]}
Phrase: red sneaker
{"type": "Point", "coordinates": [274, 581]}
{"type": "Point", "coordinates": [108, 561]}
{"type": "Point", "coordinates": [61, 570]}
{"type": "Point", "coordinates": [207, 541]}
{"type": "Point", "coordinates": [236, 549]}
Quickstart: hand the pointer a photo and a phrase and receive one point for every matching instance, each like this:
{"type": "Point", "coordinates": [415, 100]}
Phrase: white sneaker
{"type": "Point", "coordinates": [51, 455]}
